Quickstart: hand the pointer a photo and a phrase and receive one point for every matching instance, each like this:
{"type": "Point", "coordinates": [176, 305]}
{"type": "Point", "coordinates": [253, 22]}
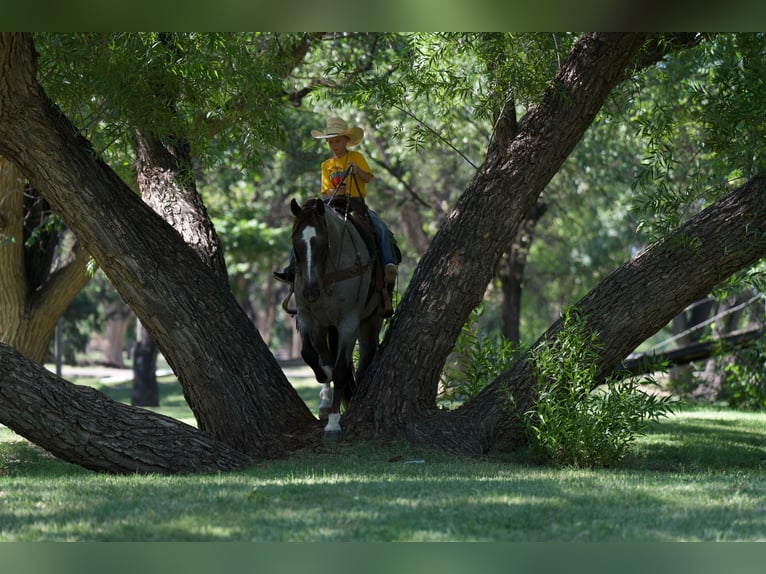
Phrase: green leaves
{"type": "Point", "coordinates": [475, 362]}
{"type": "Point", "coordinates": [573, 423]}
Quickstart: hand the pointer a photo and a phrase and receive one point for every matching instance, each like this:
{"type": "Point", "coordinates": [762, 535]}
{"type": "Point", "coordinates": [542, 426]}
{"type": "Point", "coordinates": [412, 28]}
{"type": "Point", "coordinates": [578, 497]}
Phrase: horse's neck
{"type": "Point", "coordinates": [344, 240]}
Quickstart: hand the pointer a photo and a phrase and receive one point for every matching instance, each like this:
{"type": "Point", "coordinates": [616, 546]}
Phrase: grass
{"type": "Point", "coordinates": [700, 475]}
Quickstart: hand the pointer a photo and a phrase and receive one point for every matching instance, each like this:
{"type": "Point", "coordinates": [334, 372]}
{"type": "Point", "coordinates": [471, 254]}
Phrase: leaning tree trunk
{"type": "Point", "coordinates": [166, 181]}
{"type": "Point", "coordinates": [69, 421]}
{"type": "Point", "coordinates": [632, 304]}
{"type": "Point", "coordinates": [452, 277]}
{"type": "Point", "coordinates": [233, 384]}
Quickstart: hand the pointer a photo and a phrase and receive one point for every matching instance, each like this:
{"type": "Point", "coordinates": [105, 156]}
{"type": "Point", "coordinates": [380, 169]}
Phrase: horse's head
{"type": "Point", "coordinates": [311, 245]}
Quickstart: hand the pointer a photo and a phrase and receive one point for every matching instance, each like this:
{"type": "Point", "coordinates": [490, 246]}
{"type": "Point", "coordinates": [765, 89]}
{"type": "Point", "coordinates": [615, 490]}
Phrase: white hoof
{"type": "Point", "coordinates": [333, 423]}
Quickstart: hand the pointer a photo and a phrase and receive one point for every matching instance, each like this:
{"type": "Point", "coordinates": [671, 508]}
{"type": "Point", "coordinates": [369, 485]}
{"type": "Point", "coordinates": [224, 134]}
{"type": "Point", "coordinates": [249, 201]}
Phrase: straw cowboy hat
{"type": "Point", "coordinates": [337, 127]}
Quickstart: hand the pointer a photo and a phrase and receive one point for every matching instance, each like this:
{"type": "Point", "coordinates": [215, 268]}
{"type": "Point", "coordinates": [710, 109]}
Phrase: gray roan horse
{"type": "Point", "coordinates": [336, 302]}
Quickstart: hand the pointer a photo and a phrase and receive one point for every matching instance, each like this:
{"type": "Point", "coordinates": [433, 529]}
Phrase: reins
{"type": "Point", "coordinates": [357, 268]}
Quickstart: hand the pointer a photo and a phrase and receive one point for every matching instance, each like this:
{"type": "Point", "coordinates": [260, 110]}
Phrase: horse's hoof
{"type": "Point", "coordinates": [331, 437]}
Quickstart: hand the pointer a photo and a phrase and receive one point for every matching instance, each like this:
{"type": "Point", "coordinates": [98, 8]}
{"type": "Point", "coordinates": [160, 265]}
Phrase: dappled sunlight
{"type": "Point", "coordinates": [698, 475]}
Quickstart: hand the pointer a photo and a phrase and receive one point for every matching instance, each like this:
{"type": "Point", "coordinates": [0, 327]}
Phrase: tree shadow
{"type": "Point", "coordinates": [702, 443]}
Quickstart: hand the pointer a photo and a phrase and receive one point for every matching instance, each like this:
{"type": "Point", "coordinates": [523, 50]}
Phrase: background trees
{"type": "Point", "coordinates": [469, 133]}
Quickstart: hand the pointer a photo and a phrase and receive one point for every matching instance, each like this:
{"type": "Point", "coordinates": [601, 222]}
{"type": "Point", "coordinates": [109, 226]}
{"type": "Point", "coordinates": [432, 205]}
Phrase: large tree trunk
{"type": "Point", "coordinates": [452, 277]}
{"type": "Point", "coordinates": [71, 421]}
{"type": "Point", "coordinates": [233, 385]}
{"type": "Point", "coordinates": [635, 301]}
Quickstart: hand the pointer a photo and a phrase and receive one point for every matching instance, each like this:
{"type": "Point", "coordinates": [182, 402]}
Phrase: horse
{"type": "Point", "coordinates": [336, 303]}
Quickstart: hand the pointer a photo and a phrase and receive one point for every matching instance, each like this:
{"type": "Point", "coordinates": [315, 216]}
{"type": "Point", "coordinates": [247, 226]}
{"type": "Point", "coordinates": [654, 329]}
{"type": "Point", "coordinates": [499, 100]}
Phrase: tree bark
{"type": "Point", "coordinates": [167, 185]}
{"type": "Point", "coordinates": [451, 278]}
{"type": "Point", "coordinates": [82, 425]}
{"type": "Point", "coordinates": [146, 393]}
{"type": "Point", "coordinates": [232, 383]}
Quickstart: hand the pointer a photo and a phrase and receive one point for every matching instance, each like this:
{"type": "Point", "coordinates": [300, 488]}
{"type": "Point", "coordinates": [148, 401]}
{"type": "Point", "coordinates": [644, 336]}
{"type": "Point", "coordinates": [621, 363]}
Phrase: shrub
{"type": "Point", "coordinates": [574, 422]}
{"type": "Point", "coordinates": [744, 386]}
{"type": "Point", "coordinates": [476, 360]}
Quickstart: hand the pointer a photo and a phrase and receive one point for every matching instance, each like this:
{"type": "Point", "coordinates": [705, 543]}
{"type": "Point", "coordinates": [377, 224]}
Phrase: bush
{"type": "Point", "coordinates": [744, 386]}
{"type": "Point", "coordinates": [476, 360]}
{"type": "Point", "coordinates": [574, 422]}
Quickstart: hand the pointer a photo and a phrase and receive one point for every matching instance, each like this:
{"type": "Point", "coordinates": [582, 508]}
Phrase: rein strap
{"type": "Point", "coordinates": [342, 274]}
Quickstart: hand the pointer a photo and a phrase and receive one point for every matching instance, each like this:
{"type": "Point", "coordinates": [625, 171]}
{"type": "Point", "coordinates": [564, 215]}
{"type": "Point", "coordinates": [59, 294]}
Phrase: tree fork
{"type": "Point", "coordinates": [232, 383]}
{"type": "Point", "coordinates": [451, 278]}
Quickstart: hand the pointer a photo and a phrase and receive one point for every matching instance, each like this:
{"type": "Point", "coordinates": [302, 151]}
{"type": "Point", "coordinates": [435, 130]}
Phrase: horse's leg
{"type": "Point", "coordinates": [322, 373]}
{"type": "Point", "coordinates": [325, 400]}
{"type": "Point", "coordinates": [342, 376]}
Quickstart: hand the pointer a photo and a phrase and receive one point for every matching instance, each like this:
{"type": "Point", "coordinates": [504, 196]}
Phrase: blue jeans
{"type": "Point", "coordinates": [384, 242]}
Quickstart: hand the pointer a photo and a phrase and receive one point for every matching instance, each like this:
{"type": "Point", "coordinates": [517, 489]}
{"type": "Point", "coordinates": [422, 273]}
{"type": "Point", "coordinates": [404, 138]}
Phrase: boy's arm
{"type": "Point", "coordinates": [361, 169]}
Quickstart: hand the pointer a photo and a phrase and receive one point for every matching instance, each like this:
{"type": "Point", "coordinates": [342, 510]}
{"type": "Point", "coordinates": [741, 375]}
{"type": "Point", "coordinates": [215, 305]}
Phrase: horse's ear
{"type": "Point", "coordinates": [295, 208]}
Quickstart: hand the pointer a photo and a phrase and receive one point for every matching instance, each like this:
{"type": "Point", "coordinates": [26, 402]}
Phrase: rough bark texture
{"type": "Point", "coordinates": [452, 277]}
{"type": "Point", "coordinates": [82, 425]}
{"type": "Point", "coordinates": [231, 381]}
{"type": "Point", "coordinates": [167, 185]}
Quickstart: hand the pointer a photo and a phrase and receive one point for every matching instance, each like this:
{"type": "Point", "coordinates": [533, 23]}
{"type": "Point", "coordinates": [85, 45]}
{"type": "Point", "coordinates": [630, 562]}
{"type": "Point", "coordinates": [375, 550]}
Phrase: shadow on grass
{"type": "Point", "coordinates": [701, 443]}
{"type": "Point", "coordinates": [22, 458]}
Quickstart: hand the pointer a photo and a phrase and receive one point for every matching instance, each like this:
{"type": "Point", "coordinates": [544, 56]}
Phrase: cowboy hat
{"type": "Point", "coordinates": [337, 127]}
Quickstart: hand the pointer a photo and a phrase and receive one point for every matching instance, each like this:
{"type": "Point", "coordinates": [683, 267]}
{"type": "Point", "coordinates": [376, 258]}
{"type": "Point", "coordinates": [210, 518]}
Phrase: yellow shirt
{"type": "Point", "coordinates": [333, 168]}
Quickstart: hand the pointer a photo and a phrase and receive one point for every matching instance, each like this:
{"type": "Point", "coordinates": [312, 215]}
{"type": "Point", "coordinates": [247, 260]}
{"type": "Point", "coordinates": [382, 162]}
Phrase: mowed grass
{"type": "Point", "coordinates": [700, 475]}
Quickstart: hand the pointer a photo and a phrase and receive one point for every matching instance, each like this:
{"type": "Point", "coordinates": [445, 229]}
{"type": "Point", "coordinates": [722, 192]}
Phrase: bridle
{"type": "Point", "coordinates": [331, 277]}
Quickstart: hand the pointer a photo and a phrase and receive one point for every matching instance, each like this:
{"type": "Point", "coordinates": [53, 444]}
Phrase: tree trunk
{"type": "Point", "coordinates": [165, 179]}
{"type": "Point", "coordinates": [146, 393]}
{"type": "Point", "coordinates": [230, 379]}
{"type": "Point", "coordinates": [452, 277]}
{"type": "Point", "coordinates": [639, 298]}
{"type": "Point", "coordinates": [82, 425]}
{"type": "Point", "coordinates": [511, 274]}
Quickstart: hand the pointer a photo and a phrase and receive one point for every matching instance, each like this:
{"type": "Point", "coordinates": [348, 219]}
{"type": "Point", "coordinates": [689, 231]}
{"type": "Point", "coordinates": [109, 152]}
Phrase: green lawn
{"type": "Point", "coordinates": [697, 476]}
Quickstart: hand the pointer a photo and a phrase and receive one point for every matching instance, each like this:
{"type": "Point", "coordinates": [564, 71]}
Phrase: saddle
{"type": "Point", "coordinates": [356, 211]}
